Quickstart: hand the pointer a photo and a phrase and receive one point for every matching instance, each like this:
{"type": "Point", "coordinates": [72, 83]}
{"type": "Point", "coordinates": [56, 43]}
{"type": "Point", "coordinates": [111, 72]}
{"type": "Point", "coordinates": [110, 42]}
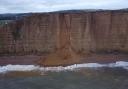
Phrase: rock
{"type": "Point", "coordinates": [66, 38]}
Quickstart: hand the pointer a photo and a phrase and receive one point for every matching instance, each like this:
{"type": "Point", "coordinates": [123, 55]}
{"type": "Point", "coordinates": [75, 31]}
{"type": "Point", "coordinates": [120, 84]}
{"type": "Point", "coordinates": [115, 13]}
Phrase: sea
{"type": "Point", "coordinates": [77, 76]}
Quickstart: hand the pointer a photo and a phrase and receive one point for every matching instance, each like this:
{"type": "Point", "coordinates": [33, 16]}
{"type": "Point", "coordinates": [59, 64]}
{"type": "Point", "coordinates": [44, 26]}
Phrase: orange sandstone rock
{"type": "Point", "coordinates": [66, 38]}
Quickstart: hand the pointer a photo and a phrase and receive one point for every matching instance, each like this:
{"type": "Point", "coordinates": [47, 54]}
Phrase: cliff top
{"type": "Point", "coordinates": [14, 16]}
{"type": "Point", "coordinates": [9, 17]}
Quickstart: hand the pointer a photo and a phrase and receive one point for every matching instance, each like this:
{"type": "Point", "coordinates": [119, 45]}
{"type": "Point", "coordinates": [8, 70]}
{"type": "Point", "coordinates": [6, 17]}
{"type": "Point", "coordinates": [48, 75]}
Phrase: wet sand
{"type": "Point", "coordinates": [21, 74]}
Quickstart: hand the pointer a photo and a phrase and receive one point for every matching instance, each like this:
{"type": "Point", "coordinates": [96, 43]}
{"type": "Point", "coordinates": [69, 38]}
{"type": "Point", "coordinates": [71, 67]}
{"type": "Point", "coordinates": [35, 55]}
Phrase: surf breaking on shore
{"type": "Point", "coordinates": [10, 68]}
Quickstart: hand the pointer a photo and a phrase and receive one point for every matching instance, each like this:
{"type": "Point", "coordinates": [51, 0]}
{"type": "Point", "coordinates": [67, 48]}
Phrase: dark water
{"type": "Point", "coordinates": [80, 79]}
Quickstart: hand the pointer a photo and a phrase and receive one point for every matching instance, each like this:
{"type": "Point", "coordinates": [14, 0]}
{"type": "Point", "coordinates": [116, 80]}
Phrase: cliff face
{"type": "Point", "coordinates": [71, 33]}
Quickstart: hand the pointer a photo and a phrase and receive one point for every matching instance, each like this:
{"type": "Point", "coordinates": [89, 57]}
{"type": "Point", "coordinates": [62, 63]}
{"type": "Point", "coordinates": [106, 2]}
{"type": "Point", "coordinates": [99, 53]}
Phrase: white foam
{"type": "Point", "coordinates": [17, 68]}
{"type": "Point", "coordinates": [8, 68]}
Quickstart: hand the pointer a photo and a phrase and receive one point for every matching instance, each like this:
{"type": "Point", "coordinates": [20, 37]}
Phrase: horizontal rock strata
{"type": "Point", "coordinates": [66, 38]}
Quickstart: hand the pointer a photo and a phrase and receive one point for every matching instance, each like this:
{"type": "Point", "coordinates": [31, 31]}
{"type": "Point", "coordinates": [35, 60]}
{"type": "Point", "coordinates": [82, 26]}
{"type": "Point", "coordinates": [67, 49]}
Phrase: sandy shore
{"type": "Point", "coordinates": [22, 60]}
{"type": "Point", "coordinates": [34, 60]}
{"type": "Point", "coordinates": [94, 58]}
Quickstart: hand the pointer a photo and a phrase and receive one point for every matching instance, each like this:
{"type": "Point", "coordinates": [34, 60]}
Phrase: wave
{"type": "Point", "coordinates": [10, 68]}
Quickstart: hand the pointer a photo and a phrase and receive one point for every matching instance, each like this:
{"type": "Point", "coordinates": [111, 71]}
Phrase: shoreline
{"type": "Point", "coordinates": [34, 60]}
{"type": "Point", "coordinates": [40, 69]}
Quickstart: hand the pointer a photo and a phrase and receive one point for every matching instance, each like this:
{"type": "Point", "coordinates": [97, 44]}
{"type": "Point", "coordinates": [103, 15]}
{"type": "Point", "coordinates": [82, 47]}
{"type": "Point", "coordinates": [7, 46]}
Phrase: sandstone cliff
{"type": "Point", "coordinates": [66, 35]}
